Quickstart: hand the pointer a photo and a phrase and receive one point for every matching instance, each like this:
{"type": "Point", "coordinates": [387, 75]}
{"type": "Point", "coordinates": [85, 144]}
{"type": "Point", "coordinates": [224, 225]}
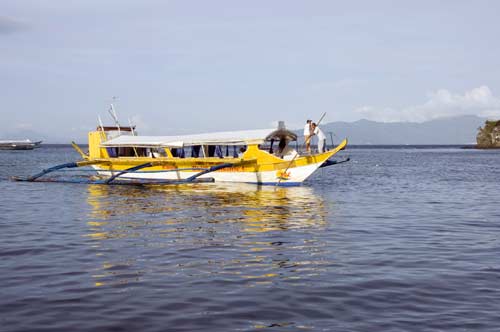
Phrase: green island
{"type": "Point", "coordinates": [488, 137]}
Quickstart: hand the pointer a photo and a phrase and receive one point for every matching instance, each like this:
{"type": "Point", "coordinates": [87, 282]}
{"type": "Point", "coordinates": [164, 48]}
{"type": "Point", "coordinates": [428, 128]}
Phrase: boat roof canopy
{"type": "Point", "coordinates": [115, 128]}
{"type": "Point", "coordinates": [280, 134]}
{"type": "Point", "coordinates": [243, 137]}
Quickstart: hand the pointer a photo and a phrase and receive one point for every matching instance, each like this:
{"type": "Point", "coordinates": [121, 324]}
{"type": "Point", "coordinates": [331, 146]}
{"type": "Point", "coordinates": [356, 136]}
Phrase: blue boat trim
{"type": "Point", "coordinates": [277, 184]}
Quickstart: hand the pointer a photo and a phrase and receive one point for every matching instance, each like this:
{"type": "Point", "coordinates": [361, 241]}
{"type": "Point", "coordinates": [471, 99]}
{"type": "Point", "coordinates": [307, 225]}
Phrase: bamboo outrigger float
{"type": "Point", "coordinates": [119, 156]}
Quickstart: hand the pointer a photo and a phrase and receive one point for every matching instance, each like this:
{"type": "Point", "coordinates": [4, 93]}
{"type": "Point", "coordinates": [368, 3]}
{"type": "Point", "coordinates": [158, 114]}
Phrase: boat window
{"type": "Point", "coordinates": [127, 152]}
{"type": "Point", "coordinates": [155, 153]}
{"type": "Point", "coordinates": [112, 153]}
{"type": "Point", "coordinates": [178, 152]}
{"type": "Point", "coordinates": [158, 152]}
{"type": "Point", "coordinates": [241, 151]}
{"type": "Point", "coordinates": [204, 152]}
{"type": "Point", "coordinates": [215, 151]}
{"type": "Point", "coordinates": [212, 151]}
{"type": "Point", "coordinates": [195, 151]}
{"type": "Point", "coordinates": [218, 151]}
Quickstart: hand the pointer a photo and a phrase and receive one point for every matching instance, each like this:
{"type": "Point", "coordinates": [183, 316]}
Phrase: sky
{"type": "Point", "coordinates": [179, 67]}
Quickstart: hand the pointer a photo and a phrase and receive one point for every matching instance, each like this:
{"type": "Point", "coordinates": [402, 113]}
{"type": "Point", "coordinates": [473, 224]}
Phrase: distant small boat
{"type": "Point", "coordinates": [19, 144]}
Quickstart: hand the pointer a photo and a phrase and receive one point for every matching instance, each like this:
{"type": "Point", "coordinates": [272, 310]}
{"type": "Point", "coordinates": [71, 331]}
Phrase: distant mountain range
{"type": "Point", "coordinates": [456, 130]}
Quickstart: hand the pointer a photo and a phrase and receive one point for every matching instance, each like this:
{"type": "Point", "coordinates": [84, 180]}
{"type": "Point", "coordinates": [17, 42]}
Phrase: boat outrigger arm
{"type": "Point", "coordinates": [329, 162]}
{"type": "Point", "coordinates": [56, 168]}
{"type": "Point", "coordinates": [191, 179]}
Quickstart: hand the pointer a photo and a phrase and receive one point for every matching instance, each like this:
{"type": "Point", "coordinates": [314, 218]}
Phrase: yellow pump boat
{"type": "Point", "coordinates": [117, 154]}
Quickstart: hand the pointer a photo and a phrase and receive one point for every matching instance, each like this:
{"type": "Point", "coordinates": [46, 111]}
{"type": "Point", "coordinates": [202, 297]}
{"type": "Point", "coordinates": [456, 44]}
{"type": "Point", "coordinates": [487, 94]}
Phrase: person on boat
{"type": "Point", "coordinates": [285, 151]}
{"type": "Point", "coordinates": [321, 137]}
{"type": "Point", "coordinates": [281, 148]}
{"type": "Point", "coordinates": [308, 135]}
{"type": "Point", "coordinates": [241, 152]}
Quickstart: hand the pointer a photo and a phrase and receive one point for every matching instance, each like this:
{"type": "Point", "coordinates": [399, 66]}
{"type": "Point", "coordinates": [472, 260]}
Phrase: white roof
{"type": "Point", "coordinates": [218, 138]}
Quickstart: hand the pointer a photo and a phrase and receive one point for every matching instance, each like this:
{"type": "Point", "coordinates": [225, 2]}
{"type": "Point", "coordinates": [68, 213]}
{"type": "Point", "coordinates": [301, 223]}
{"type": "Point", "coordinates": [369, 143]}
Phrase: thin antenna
{"type": "Point", "coordinates": [131, 127]}
{"type": "Point", "coordinates": [133, 134]}
{"type": "Point", "coordinates": [100, 123]}
{"type": "Point", "coordinates": [112, 112]}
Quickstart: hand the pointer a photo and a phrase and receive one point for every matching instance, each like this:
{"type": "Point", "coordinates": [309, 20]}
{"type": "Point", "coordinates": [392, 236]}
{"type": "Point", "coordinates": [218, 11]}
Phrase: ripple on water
{"type": "Point", "coordinates": [399, 240]}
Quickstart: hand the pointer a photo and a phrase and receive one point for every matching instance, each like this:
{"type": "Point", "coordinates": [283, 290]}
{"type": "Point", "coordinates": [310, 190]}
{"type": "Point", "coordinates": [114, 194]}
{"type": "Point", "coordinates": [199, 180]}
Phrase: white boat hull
{"type": "Point", "coordinates": [293, 177]}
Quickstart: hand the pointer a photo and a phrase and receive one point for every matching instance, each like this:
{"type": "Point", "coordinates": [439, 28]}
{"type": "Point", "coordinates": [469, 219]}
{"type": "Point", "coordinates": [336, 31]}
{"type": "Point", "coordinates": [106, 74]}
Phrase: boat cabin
{"type": "Point", "coordinates": [122, 142]}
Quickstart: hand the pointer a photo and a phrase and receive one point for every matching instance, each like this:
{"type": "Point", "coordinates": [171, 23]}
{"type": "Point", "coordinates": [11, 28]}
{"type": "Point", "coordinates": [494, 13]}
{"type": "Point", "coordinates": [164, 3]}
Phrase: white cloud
{"type": "Point", "coordinates": [440, 104]}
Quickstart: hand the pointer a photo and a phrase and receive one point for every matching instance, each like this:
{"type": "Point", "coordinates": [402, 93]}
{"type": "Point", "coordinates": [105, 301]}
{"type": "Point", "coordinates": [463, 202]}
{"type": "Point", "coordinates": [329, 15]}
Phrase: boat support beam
{"type": "Point", "coordinates": [188, 180]}
{"type": "Point", "coordinates": [208, 170]}
{"type": "Point", "coordinates": [128, 170]}
{"type": "Point", "coordinates": [329, 162]}
{"type": "Point", "coordinates": [51, 169]}
{"type": "Point", "coordinates": [57, 167]}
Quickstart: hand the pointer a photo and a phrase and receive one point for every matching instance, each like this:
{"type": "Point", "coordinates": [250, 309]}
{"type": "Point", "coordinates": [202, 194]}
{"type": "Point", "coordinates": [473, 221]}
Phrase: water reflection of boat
{"type": "Point", "coordinates": [260, 208]}
{"type": "Point", "coordinates": [232, 229]}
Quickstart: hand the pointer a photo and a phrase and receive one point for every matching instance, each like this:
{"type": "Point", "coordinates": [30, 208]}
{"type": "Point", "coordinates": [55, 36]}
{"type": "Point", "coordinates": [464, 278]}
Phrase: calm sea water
{"type": "Point", "coordinates": [398, 239]}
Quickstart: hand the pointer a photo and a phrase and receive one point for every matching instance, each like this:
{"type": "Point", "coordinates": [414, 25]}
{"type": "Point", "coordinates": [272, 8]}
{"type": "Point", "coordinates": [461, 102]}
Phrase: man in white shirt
{"type": "Point", "coordinates": [307, 135]}
{"type": "Point", "coordinates": [321, 138]}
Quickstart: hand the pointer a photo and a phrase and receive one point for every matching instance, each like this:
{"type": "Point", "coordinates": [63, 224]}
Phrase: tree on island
{"type": "Point", "coordinates": [489, 135]}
